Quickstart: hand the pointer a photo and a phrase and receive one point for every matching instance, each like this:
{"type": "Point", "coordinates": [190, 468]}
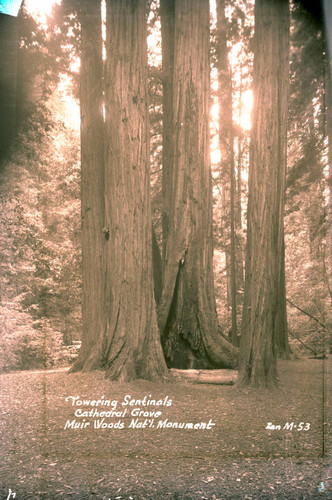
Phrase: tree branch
{"type": "Point", "coordinates": [293, 337]}
{"type": "Point", "coordinates": [307, 314]}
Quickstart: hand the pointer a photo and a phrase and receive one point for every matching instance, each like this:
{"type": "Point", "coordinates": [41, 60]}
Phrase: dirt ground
{"type": "Point", "coordinates": [237, 458]}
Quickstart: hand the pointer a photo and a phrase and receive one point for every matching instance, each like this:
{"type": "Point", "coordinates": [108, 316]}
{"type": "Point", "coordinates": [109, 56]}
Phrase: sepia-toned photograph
{"type": "Point", "coordinates": [165, 249]}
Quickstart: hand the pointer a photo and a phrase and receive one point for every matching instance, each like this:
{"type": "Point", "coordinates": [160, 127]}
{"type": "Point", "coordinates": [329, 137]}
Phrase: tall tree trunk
{"type": "Point", "coordinates": [235, 336]}
{"type": "Point", "coordinates": [266, 193]}
{"type": "Point", "coordinates": [92, 180]}
{"type": "Point", "coordinates": [329, 209]}
{"type": "Point", "coordinates": [157, 268]}
{"type": "Point", "coordinates": [187, 314]}
{"type": "Point", "coordinates": [225, 137]}
{"type": "Point", "coordinates": [328, 115]}
{"type": "Point", "coordinates": [226, 144]}
{"type": "Point", "coordinates": [238, 204]}
{"type": "Point", "coordinates": [167, 15]}
{"type": "Point", "coordinates": [281, 325]}
{"type": "Point", "coordinates": [8, 72]}
{"type": "Point", "coordinates": [128, 344]}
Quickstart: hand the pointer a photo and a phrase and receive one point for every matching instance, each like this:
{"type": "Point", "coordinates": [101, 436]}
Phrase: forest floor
{"type": "Point", "coordinates": [238, 458]}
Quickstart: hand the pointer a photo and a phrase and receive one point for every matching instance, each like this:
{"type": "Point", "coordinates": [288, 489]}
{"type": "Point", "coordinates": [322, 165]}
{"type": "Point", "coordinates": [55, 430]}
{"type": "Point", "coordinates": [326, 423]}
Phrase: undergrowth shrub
{"type": "Point", "coordinates": [26, 344]}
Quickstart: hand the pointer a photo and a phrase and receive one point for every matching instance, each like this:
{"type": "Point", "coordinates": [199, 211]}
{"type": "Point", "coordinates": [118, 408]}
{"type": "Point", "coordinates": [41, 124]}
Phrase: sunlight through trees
{"type": "Point", "coordinates": [198, 119]}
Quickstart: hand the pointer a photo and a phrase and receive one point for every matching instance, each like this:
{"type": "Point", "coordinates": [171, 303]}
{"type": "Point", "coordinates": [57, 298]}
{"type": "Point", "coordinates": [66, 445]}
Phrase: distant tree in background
{"type": "Point", "coordinates": [307, 198]}
{"type": "Point", "coordinates": [42, 57]}
{"type": "Point", "coordinates": [226, 144]}
{"type": "Point", "coordinates": [231, 62]}
{"type": "Point", "coordinates": [40, 279]}
{"type": "Point", "coordinates": [267, 174]}
{"type": "Point", "coordinates": [167, 13]}
{"type": "Point", "coordinates": [40, 245]}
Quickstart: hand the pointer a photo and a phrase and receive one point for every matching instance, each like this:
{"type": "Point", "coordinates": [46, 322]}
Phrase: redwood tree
{"type": "Point", "coordinates": [127, 344]}
{"type": "Point", "coordinates": [92, 179]}
{"type": "Point", "coordinates": [266, 194]}
{"type": "Point", "coordinates": [187, 312]}
{"type": "Point", "coordinates": [226, 144]}
{"type": "Point", "coordinates": [167, 14]}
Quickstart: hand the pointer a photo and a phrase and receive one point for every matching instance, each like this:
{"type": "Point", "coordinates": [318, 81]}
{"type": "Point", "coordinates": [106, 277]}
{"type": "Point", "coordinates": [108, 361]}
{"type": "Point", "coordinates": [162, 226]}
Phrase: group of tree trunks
{"type": "Point", "coordinates": [119, 316]}
{"type": "Point", "coordinates": [123, 332]}
{"type": "Point", "coordinates": [187, 314]}
{"type": "Point", "coordinates": [226, 145]}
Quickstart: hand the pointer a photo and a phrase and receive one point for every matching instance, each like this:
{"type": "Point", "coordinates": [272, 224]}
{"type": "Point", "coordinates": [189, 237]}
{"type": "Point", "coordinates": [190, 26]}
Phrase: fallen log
{"type": "Point", "coordinates": [218, 377]}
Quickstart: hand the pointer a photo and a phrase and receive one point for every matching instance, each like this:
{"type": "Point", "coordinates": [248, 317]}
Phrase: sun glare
{"type": "Point", "coordinates": [40, 9]}
{"type": "Point", "coordinates": [246, 103]}
{"type": "Point", "coordinates": [70, 112]}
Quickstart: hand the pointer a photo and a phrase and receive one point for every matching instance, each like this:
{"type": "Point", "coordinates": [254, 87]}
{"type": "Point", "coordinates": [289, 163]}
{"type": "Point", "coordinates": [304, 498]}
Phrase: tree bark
{"type": "Point", "coordinates": [225, 139]}
{"type": "Point", "coordinates": [281, 325]}
{"type": "Point", "coordinates": [328, 111]}
{"type": "Point", "coordinates": [167, 16]}
{"type": "Point", "coordinates": [127, 345]}
{"type": "Point", "coordinates": [130, 344]}
{"type": "Point", "coordinates": [157, 268]}
{"type": "Point", "coordinates": [266, 194]}
{"type": "Point", "coordinates": [187, 314]}
{"type": "Point", "coordinates": [92, 181]}
{"type": "Point", "coordinates": [238, 204]}
{"type": "Point", "coordinates": [217, 377]}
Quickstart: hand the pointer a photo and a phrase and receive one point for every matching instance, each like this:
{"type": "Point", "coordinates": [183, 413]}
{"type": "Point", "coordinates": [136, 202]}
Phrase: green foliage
{"type": "Point", "coordinates": [155, 116]}
{"type": "Point", "coordinates": [305, 223]}
{"type": "Point", "coordinates": [305, 277]}
{"type": "Point", "coordinates": [27, 344]}
{"type": "Point", "coordinates": [40, 279]}
{"type": "Point", "coordinates": [45, 53]}
{"type": "Point", "coordinates": [155, 103]}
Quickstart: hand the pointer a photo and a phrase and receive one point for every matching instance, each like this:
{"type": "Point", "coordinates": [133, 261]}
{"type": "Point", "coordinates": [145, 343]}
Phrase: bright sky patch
{"type": "Point", "coordinates": [10, 7]}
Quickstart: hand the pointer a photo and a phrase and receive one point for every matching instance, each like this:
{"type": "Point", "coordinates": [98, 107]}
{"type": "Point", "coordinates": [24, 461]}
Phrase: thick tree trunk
{"type": "Point", "coordinates": [92, 181]}
{"type": "Point", "coordinates": [266, 194]}
{"type": "Point", "coordinates": [127, 345]}
{"type": "Point", "coordinates": [187, 312]}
